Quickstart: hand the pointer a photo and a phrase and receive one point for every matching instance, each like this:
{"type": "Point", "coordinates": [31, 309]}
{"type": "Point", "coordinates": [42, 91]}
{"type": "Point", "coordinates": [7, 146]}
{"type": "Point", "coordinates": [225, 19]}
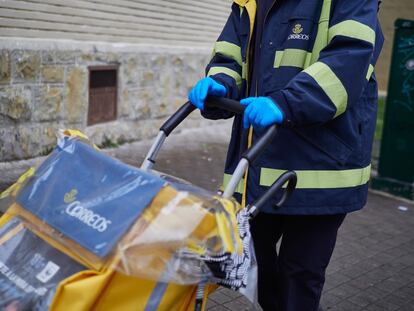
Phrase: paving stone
{"type": "Point", "coordinates": [336, 279]}
{"type": "Point", "coordinates": [231, 293]}
{"type": "Point", "coordinates": [364, 299]}
{"type": "Point", "coordinates": [220, 298]}
{"type": "Point", "coordinates": [405, 294]}
{"type": "Point", "coordinates": [237, 305]}
{"type": "Point", "coordinates": [396, 300]}
{"type": "Point", "coordinates": [210, 304]}
{"type": "Point", "coordinates": [329, 300]}
{"type": "Point", "coordinates": [346, 306]}
{"type": "Point", "coordinates": [374, 308]}
{"type": "Point", "coordinates": [345, 290]}
{"type": "Point", "coordinates": [218, 308]}
{"type": "Point", "coordinates": [390, 285]}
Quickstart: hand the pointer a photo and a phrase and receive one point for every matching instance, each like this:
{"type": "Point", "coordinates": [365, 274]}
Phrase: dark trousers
{"type": "Point", "coordinates": [293, 279]}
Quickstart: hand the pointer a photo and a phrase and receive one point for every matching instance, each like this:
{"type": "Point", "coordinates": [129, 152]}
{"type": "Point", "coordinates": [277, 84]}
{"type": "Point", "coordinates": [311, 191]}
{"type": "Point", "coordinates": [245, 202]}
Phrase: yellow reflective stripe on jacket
{"type": "Point", "coordinates": [229, 50]}
{"type": "Point", "coordinates": [292, 57]}
{"type": "Point", "coordinates": [240, 186]}
{"type": "Point", "coordinates": [330, 84]}
{"type": "Point", "coordinates": [370, 72]}
{"type": "Point", "coordinates": [321, 40]}
{"type": "Point", "coordinates": [352, 29]}
{"type": "Point", "coordinates": [244, 71]}
{"type": "Point", "coordinates": [312, 179]}
{"type": "Point", "coordinates": [235, 75]}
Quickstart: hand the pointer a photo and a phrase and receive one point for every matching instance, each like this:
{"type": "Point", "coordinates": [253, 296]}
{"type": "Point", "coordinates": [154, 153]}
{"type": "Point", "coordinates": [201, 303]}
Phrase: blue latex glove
{"type": "Point", "coordinates": [204, 87]}
{"type": "Point", "coordinates": [260, 112]}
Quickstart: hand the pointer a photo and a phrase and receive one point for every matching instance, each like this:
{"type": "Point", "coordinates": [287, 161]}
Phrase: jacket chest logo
{"type": "Point", "coordinates": [297, 33]}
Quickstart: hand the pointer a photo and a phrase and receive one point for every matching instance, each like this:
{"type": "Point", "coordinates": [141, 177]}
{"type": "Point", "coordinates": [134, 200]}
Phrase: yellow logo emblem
{"type": "Point", "coordinates": [70, 196]}
{"type": "Point", "coordinates": [297, 29]}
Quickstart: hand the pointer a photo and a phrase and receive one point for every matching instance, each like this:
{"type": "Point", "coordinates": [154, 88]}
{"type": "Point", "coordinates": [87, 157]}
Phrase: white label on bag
{"type": "Point", "coordinates": [48, 272]}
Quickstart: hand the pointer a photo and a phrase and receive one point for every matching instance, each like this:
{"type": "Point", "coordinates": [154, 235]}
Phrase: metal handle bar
{"type": "Point", "coordinates": [215, 102]}
{"type": "Point", "coordinates": [184, 111]}
{"type": "Point", "coordinates": [179, 116]}
{"type": "Point", "coordinates": [288, 177]}
{"type": "Point", "coordinates": [211, 102]}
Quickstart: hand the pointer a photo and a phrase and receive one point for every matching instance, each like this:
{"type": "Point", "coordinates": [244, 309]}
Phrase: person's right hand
{"type": "Point", "coordinates": [204, 87]}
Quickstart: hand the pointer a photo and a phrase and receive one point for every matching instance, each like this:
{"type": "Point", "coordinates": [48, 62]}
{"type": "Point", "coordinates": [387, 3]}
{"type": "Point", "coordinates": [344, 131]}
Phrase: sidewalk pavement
{"type": "Point", "coordinates": [372, 267]}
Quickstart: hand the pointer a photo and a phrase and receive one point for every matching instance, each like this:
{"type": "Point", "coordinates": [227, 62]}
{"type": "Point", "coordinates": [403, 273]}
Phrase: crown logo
{"type": "Point", "coordinates": [70, 196]}
{"type": "Point", "coordinates": [297, 29]}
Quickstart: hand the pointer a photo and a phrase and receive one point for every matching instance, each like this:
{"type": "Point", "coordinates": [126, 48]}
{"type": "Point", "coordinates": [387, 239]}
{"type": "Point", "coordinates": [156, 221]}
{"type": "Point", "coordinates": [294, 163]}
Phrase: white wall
{"type": "Point", "coordinates": [177, 22]}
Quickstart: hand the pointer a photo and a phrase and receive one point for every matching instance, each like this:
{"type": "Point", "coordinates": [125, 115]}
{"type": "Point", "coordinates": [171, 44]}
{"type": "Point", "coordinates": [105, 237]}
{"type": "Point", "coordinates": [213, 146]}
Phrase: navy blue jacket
{"type": "Point", "coordinates": [317, 59]}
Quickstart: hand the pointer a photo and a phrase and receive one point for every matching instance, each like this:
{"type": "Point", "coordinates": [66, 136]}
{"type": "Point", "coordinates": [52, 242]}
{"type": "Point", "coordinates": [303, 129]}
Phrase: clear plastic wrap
{"type": "Point", "coordinates": [102, 213]}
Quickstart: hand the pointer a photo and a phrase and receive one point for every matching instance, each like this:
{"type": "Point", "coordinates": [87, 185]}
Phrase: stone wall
{"type": "Point", "coordinates": [44, 87]}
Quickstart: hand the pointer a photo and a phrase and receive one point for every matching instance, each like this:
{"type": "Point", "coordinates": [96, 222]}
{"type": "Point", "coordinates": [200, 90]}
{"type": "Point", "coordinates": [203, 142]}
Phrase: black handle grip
{"type": "Point", "coordinates": [289, 177]}
{"type": "Point", "coordinates": [224, 103]}
{"type": "Point", "coordinates": [179, 116]}
{"type": "Point", "coordinates": [185, 110]}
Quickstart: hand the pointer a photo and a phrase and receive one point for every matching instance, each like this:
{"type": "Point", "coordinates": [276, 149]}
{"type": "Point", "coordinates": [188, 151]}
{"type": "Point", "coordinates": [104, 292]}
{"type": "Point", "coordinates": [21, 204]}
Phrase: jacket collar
{"type": "Point", "coordinates": [243, 3]}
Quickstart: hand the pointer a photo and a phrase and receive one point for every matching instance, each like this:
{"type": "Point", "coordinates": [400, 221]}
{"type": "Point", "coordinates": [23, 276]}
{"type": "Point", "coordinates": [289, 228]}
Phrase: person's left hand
{"type": "Point", "coordinates": [260, 112]}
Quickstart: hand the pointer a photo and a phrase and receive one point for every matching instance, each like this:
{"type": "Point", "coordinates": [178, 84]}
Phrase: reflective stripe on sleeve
{"type": "Point", "coordinates": [352, 29]}
{"type": "Point", "coordinates": [240, 186]}
{"type": "Point", "coordinates": [312, 179]}
{"type": "Point", "coordinates": [370, 72]}
{"type": "Point", "coordinates": [235, 75]}
{"type": "Point", "coordinates": [292, 57]}
{"type": "Point", "coordinates": [330, 84]}
{"type": "Point", "coordinates": [229, 50]}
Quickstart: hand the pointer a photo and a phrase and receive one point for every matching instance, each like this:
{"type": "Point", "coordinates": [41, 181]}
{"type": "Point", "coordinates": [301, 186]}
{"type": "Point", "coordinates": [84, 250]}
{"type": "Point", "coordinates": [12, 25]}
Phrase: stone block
{"type": "Point", "coordinates": [177, 61]}
{"type": "Point", "coordinates": [140, 103]}
{"type": "Point", "coordinates": [48, 57]}
{"type": "Point", "coordinates": [106, 57]}
{"type": "Point", "coordinates": [150, 78]}
{"type": "Point", "coordinates": [76, 95]}
{"type": "Point", "coordinates": [87, 57]}
{"type": "Point", "coordinates": [131, 73]}
{"type": "Point", "coordinates": [5, 73]}
{"type": "Point", "coordinates": [26, 141]}
{"type": "Point", "coordinates": [52, 74]}
{"type": "Point", "coordinates": [16, 102]}
{"type": "Point", "coordinates": [66, 57]}
{"type": "Point", "coordinates": [26, 66]}
{"type": "Point", "coordinates": [48, 103]}
{"type": "Point", "coordinates": [59, 57]}
{"type": "Point", "coordinates": [159, 60]}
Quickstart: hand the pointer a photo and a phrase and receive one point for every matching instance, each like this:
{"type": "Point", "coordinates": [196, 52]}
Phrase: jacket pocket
{"type": "Point", "coordinates": [327, 141]}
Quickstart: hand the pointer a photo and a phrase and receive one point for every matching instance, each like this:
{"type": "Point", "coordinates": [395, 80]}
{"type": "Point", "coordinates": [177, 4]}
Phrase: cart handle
{"type": "Point", "coordinates": [211, 102]}
{"type": "Point", "coordinates": [248, 157]}
{"type": "Point", "coordinates": [227, 104]}
{"type": "Point", "coordinates": [288, 177]}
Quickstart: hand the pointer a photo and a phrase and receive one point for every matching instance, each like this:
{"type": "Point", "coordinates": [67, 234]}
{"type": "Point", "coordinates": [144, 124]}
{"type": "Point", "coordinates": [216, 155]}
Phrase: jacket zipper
{"type": "Point", "coordinates": [260, 45]}
{"type": "Point", "coordinates": [250, 135]}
